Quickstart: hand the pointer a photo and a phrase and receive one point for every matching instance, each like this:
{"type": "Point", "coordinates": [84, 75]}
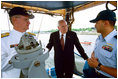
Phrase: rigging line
{"type": "Point", "coordinates": [33, 19]}
{"type": "Point", "coordinates": [8, 21]}
{"type": "Point", "coordinates": [40, 26]}
{"type": "Point", "coordinates": [33, 25]}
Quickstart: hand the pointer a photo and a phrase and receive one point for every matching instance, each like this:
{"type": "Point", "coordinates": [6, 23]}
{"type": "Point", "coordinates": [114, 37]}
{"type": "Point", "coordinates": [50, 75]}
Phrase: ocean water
{"type": "Point", "coordinates": [79, 62]}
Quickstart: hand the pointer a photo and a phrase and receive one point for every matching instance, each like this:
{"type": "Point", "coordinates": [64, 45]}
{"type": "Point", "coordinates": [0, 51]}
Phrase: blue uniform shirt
{"type": "Point", "coordinates": [106, 51]}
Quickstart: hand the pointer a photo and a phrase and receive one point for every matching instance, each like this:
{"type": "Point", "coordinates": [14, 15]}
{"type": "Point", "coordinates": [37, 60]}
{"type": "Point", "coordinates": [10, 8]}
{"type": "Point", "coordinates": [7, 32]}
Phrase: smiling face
{"type": "Point", "coordinates": [63, 28]}
{"type": "Point", "coordinates": [21, 23]}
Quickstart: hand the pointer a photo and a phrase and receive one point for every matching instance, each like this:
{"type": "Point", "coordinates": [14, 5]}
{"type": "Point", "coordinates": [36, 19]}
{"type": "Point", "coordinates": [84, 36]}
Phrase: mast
{"type": "Point", "coordinates": [69, 17]}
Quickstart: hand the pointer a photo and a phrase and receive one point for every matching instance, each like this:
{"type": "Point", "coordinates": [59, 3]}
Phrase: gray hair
{"type": "Point", "coordinates": [60, 21]}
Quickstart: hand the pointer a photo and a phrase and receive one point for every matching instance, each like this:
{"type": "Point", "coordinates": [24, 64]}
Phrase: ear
{"type": "Point", "coordinates": [58, 27]}
{"type": "Point", "coordinates": [106, 23]}
{"type": "Point", "coordinates": [13, 19]}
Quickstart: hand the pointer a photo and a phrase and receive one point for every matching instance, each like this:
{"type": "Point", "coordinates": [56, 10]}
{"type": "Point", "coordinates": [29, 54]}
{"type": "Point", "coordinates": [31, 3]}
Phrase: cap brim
{"type": "Point", "coordinates": [94, 20]}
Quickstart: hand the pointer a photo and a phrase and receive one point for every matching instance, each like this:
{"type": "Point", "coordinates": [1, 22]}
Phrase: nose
{"type": "Point", "coordinates": [95, 25]}
{"type": "Point", "coordinates": [28, 22]}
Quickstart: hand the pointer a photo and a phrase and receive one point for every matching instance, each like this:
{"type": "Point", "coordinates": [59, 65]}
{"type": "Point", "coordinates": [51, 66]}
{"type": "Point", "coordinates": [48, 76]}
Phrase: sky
{"type": "Point", "coordinates": [45, 22]}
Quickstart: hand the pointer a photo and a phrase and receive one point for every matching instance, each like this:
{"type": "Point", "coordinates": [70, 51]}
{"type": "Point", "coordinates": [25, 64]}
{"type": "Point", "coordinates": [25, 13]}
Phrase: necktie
{"type": "Point", "coordinates": [62, 42]}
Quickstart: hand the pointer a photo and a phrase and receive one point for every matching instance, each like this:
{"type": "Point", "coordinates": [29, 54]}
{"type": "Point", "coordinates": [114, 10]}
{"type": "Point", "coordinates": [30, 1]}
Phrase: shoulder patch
{"type": "Point", "coordinates": [4, 34]}
{"type": "Point", "coordinates": [31, 33]}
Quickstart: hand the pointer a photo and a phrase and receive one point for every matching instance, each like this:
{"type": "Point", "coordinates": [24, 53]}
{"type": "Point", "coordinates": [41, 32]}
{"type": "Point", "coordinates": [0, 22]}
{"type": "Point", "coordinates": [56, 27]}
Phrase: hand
{"type": "Point", "coordinates": [87, 59]}
{"type": "Point", "coordinates": [93, 62]}
{"type": "Point", "coordinates": [46, 50]}
{"type": "Point", "coordinates": [92, 55]}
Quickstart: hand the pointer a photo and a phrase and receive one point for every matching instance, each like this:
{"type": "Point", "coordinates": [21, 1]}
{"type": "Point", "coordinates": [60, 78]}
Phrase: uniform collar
{"type": "Point", "coordinates": [15, 32]}
{"type": "Point", "coordinates": [109, 36]}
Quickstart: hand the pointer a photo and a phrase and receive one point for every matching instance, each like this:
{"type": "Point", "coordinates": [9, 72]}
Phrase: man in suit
{"type": "Point", "coordinates": [63, 42]}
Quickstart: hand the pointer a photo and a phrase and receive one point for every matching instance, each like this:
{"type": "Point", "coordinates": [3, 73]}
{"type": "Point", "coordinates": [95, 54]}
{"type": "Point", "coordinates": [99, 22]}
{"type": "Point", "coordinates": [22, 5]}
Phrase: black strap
{"type": "Point", "coordinates": [115, 36]}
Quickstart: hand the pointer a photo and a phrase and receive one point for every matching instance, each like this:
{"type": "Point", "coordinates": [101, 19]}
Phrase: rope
{"type": "Point", "coordinates": [77, 54]}
{"type": "Point", "coordinates": [108, 8]}
{"type": "Point", "coordinates": [33, 25]}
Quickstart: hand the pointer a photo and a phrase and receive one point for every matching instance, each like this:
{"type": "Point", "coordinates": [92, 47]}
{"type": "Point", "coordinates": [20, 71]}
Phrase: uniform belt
{"type": "Point", "coordinates": [101, 75]}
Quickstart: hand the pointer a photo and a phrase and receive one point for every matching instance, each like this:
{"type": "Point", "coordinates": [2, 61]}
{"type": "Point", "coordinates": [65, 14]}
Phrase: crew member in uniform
{"type": "Point", "coordinates": [104, 56]}
{"type": "Point", "coordinates": [63, 42]}
{"type": "Point", "coordinates": [19, 18]}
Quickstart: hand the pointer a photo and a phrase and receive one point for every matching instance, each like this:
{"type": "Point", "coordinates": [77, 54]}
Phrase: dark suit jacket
{"type": "Point", "coordinates": [66, 56]}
